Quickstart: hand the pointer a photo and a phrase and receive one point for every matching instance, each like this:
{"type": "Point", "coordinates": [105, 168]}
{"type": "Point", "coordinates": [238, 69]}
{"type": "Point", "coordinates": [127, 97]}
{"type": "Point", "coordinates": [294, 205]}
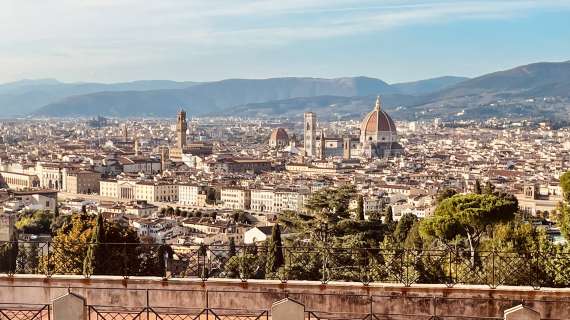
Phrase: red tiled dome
{"type": "Point", "coordinates": [377, 121]}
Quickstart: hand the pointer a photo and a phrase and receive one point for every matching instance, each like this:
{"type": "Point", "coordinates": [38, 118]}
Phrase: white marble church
{"type": "Point", "coordinates": [378, 138]}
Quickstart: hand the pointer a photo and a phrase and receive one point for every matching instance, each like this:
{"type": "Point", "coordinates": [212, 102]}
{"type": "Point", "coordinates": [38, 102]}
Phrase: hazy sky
{"type": "Point", "coordinates": [122, 40]}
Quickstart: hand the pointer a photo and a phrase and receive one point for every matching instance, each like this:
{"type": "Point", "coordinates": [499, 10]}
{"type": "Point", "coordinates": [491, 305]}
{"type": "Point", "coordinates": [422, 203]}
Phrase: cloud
{"type": "Point", "coordinates": [96, 33]}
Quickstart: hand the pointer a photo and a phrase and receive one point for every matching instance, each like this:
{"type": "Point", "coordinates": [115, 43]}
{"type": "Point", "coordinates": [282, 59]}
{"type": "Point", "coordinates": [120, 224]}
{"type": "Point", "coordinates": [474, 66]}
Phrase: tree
{"type": "Point", "coordinates": [565, 185]}
{"type": "Point", "coordinates": [331, 205]}
{"type": "Point", "coordinates": [211, 196]}
{"type": "Point", "coordinates": [388, 215]}
{"type": "Point", "coordinates": [444, 194]}
{"type": "Point", "coordinates": [94, 250]}
{"type": "Point", "coordinates": [467, 216]}
{"type": "Point", "coordinates": [403, 227]}
{"type": "Point", "coordinates": [360, 208]}
{"type": "Point", "coordinates": [8, 256]}
{"type": "Point", "coordinates": [489, 188]}
{"type": "Point", "coordinates": [477, 189]}
{"type": "Point", "coordinates": [36, 222]}
{"type": "Point", "coordinates": [231, 248]}
{"type": "Point", "coordinates": [177, 212]}
{"type": "Point", "coordinates": [118, 252]}
{"type": "Point", "coordinates": [274, 251]}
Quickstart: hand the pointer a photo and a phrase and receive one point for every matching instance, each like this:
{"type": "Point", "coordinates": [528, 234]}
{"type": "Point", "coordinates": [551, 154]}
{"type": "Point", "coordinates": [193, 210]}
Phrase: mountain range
{"type": "Point", "coordinates": [516, 92]}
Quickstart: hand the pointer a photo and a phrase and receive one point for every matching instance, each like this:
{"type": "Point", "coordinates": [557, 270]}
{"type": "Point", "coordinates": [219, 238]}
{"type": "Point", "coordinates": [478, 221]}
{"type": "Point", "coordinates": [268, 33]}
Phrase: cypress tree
{"type": "Point", "coordinates": [360, 207]}
{"type": "Point", "coordinates": [477, 189]}
{"type": "Point", "coordinates": [274, 251]}
{"type": "Point", "coordinates": [388, 216]}
{"type": "Point", "coordinates": [232, 248]}
{"type": "Point", "coordinates": [93, 250]}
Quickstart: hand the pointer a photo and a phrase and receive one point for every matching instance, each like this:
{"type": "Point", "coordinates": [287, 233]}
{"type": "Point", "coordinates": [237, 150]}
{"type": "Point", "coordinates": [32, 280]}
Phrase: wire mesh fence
{"type": "Point", "coordinates": [404, 266]}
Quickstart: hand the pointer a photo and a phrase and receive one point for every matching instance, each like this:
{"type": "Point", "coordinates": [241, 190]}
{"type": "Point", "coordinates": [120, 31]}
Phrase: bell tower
{"type": "Point", "coordinates": [310, 133]}
{"type": "Point", "coordinates": [181, 127]}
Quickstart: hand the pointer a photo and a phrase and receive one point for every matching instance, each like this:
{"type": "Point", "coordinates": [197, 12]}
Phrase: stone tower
{"type": "Point", "coordinates": [181, 127]}
{"type": "Point", "coordinates": [310, 133]}
{"type": "Point", "coordinates": [346, 148]}
{"type": "Point", "coordinates": [322, 146]}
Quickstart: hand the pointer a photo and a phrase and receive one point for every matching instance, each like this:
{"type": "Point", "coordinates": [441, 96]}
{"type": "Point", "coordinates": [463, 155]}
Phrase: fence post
{"type": "Point", "coordinates": [287, 309]}
{"type": "Point", "coordinates": [521, 312]}
{"type": "Point", "coordinates": [69, 307]}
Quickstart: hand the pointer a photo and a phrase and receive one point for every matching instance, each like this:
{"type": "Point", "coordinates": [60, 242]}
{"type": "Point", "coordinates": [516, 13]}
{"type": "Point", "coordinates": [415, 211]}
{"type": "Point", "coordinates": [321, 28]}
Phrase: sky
{"type": "Point", "coordinates": [207, 40]}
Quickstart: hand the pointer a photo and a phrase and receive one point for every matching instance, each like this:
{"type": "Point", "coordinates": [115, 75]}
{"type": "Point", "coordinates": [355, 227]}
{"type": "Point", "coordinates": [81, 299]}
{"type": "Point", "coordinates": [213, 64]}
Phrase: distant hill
{"type": "Point", "coordinates": [26, 96]}
{"type": "Point", "coordinates": [427, 86]}
{"type": "Point", "coordinates": [537, 90]}
{"type": "Point", "coordinates": [206, 98]}
{"type": "Point", "coordinates": [328, 107]}
{"type": "Point", "coordinates": [538, 79]}
{"type": "Point", "coordinates": [505, 94]}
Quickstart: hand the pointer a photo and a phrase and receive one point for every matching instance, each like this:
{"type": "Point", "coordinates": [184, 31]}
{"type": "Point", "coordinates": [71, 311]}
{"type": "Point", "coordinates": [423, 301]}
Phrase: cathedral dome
{"type": "Point", "coordinates": [377, 121]}
{"type": "Point", "coordinates": [279, 134]}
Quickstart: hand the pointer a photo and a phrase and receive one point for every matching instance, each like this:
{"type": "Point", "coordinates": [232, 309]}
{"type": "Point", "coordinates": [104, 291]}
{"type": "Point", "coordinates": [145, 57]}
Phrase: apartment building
{"type": "Point", "coordinates": [236, 198]}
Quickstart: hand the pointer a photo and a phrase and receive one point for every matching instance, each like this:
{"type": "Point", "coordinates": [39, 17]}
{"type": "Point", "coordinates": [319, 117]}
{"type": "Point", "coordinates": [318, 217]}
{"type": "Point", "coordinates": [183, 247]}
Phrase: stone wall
{"type": "Point", "coordinates": [337, 298]}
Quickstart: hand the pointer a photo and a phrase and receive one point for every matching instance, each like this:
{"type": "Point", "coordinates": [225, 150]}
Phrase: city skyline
{"type": "Point", "coordinates": [198, 41]}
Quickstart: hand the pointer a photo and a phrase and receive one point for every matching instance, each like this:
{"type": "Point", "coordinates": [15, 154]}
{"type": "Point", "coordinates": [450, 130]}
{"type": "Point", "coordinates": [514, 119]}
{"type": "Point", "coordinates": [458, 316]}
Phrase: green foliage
{"type": "Point", "coordinates": [465, 218]}
{"type": "Point", "coordinates": [360, 208]}
{"type": "Point", "coordinates": [8, 257]}
{"type": "Point", "coordinates": [275, 258]}
{"type": "Point", "coordinates": [86, 245]}
{"type": "Point", "coordinates": [564, 219]}
{"type": "Point", "coordinates": [444, 194]}
{"type": "Point", "coordinates": [28, 258]}
{"type": "Point", "coordinates": [36, 222]}
{"type": "Point", "coordinates": [477, 189]}
{"type": "Point", "coordinates": [403, 227]}
{"type": "Point", "coordinates": [388, 215]}
{"type": "Point", "coordinates": [489, 188]}
{"type": "Point", "coordinates": [565, 185]}
{"type": "Point", "coordinates": [232, 248]}
{"type": "Point", "coordinates": [331, 205]}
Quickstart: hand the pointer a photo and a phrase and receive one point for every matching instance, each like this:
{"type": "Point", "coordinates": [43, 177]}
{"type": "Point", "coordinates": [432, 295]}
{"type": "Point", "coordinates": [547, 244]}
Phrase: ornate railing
{"type": "Point", "coordinates": [368, 265]}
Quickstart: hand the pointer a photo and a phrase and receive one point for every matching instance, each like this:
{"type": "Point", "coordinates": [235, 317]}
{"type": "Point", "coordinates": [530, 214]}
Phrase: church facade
{"type": "Point", "coordinates": [378, 138]}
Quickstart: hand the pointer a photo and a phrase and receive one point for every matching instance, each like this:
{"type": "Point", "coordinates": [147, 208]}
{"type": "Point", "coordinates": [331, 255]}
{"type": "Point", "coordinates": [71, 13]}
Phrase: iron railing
{"type": "Point", "coordinates": [404, 266]}
{"type": "Point", "coordinates": [13, 311]}
{"type": "Point", "coordinates": [247, 304]}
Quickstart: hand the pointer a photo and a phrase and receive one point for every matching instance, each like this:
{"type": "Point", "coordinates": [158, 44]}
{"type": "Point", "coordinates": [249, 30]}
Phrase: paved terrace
{"type": "Point", "coordinates": [108, 297]}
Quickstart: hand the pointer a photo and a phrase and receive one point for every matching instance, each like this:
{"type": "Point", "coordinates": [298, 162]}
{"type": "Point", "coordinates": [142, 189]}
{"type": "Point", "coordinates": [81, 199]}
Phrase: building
{"type": "Point", "coordinates": [279, 138]}
{"type": "Point", "coordinates": [235, 198]}
{"type": "Point", "coordinates": [257, 234]}
{"type": "Point", "coordinates": [35, 200]}
{"type": "Point", "coordinates": [310, 136]}
{"type": "Point", "coordinates": [19, 181]}
{"type": "Point", "coordinates": [378, 135]}
{"type": "Point", "coordinates": [234, 165]}
{"type": "Point", "coordinates": [153, 191]}
{"type": "Point", "coordinates": [263, 200]}
{"type": "Point", "coordinates": [122, 189]}
{"type": "Point", "coordinates": [182, 147]}
{"type": "Point", "coordinates": [181, 128]}
{"type": "Point", "coordinates": [190, 195]}
{"type": "Point", "coordinates": [7, 227]}
{"type": "Point", "coordinates": [82, 182]}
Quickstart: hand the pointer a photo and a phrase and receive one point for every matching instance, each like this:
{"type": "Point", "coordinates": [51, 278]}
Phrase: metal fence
{"type": "Point", "coordinates": [12, 311]}
{"type": "Point", "coordinates": [367, 265]}
{"type": "Point", "coordinates": [222, 304]}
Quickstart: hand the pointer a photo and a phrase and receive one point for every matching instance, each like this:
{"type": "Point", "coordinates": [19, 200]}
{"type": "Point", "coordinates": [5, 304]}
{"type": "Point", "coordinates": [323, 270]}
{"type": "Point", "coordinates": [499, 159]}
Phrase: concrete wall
{"type": "Point", "coordinates": [340, 298]}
